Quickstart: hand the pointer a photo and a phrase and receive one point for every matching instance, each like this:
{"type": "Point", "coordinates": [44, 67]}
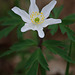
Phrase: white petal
{"type": "Point", "coordinates": [47, 9]}
{"type": "Point", "coordinates": [50, 21]}
{"type": "Point", "coordinates": [31, 26]}
{"type": "Point", "coordinates": [41, 33]}
{"type": "Point", "coordinates": [25, 17]}
{"type": "Point", "coordinates": [33, 7]}
{"type": "Point", "coordinates": [27, 27]}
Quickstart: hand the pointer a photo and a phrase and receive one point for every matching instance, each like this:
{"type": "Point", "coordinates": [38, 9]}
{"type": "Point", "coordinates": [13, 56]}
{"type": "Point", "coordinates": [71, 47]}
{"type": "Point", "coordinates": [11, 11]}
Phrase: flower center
{"type": "Point", "coordinates": [37, 18]}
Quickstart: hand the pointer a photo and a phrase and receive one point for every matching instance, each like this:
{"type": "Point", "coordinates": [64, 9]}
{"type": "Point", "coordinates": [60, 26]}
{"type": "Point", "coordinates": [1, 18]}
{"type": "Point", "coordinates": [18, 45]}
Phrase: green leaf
{"type": "Point", "coordinates": [68, 20]}
{"type": "Point", "coordinates": [19, 33]}
{"type": "Point", "coordinates": [62, 28]}
{"type": "Point", "coordinates": [3, 18]}
{"type": "Point", "coordinates": [6, 31]}
{"type": "Point", "coordinates": [43, 71]}
{"type": "Point", "coordinates": [7, 53]}
{"type": "Point", "coordinates": [31, 60]}
{"type": "Point", "coordinates": [53, 28]}
{"type": "Point", "coordinates": [11, 21]}
{"type": "Point", "coordinates": [63, 55]}
{"type": "Point", "coordinates": [55, 14]}
{"type": "Point", "coordinates": [51, 50]}
{"type": "Point", "coordinates": [48, 55]}
{"type": "Point", "coordinates": [57, 50]}
{"type": "Point", "coordinates": [13, 15]}
{"type": "Point", "coordinates": [57, 11]}
{"type": "Point", "coordinates": [54, 43]}
{"type": "Point", "coordinates": [37, 56]}
{"type": "Point", "coordinates": [70, 34]}
{"type": "Point", "coordinates": [42, 60]}
{"type": "Point", "coordinates": [22, 44]}
{"type": "Point", "coordinates": [34, 69]}
{"type": "Point", "coordinates": [19, 46]}
{"type": "Point", "coordinates": [54, 50]}
{"type": "Point", "coordinates": [70, 17]}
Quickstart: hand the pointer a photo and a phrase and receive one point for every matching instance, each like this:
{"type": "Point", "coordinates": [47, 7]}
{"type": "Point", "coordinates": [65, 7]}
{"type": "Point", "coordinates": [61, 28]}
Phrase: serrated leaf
{"type": "Point", "coordinates": [59, 51]}
{"type": "Point", "coordinates": [57, 11]}
{"type": "Point", "coordinates": [62, 28]}
{"type": "Point", "coordinates": [37, 56]}
{"type": "Point", "coordinates": [42, 60]}
{"type": "Point", "coordinates": [13, 15]}
{"type": "Point", "coordinates": [63, 55]}
{"type": "Point", "coordinates": [49, 56]}
{"type": "Point", "coordinates": [6, 31]}
{"type": "Point", "coordinates": [51, 50]}
{"type": "Point", "coordinates": [68, 20]}
{"type": "Point", "coordinates": [11, 21]}
{"type": "Point", "coordinates": [34, 69]}
{"type": "Point", "coordinates": [19, 46]}
{"type": "Point", "coordinates": [7, 53]}
{"type": "Point", "coordinates": [22, 44]}
{"type": "Point", "coordinates": [43, 71]}
{"type": "Point", "coordinates": [19, 33]}
{"type": "Point", "coordinates": [54, 43]}
{"type": "Point", "coordinates": [70, 17]}
{"type": "Point", "coordinates": [31, 60]}
{"type": "Point", "coordinates": [53, 28]}
{"type": "Point", "coordinates": [3, 18]}
{"type": "Point", "coordinates": [70, 34]}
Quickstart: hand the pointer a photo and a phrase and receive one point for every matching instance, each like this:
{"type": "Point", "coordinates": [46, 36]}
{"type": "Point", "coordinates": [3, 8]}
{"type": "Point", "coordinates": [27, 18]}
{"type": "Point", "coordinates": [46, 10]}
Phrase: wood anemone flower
{"type": "Point", "coordinates": [36, 20]}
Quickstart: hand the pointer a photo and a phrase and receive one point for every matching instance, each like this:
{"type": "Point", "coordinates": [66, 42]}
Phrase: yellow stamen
{"type": "Point", "coordinates": [35, 19]}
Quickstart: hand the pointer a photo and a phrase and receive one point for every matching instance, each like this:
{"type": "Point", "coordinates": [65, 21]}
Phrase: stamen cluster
{"type": "Point", "coordinates": [37, 18]}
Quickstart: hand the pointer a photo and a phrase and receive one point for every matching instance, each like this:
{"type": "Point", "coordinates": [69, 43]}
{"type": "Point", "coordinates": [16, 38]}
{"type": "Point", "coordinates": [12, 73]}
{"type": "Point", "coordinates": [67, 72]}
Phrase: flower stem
{"type": "Point", "coordinates": [68, 64]}
{"type": "Point", "coordinates": [40, 46]}
{"type": "Point", "coordinates": [40, 43]}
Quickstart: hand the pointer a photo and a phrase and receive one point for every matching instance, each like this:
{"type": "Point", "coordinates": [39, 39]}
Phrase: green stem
{"type": "Point", "coordinates": [41, 70]}
{"type": "Point", "coordinates": [68, 64]}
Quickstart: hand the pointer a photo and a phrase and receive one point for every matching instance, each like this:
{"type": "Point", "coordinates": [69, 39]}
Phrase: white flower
{"type": "Point", "coordinates": [36, 20]}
